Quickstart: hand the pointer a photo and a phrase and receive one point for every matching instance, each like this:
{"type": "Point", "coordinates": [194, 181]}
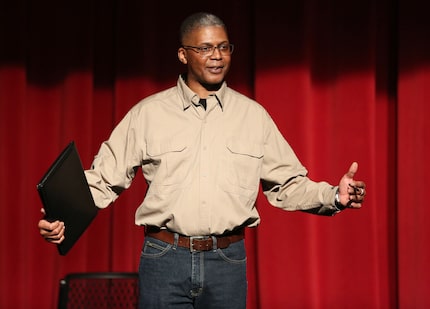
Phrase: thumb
{"type": "Point", "coordinates": [352, 170]}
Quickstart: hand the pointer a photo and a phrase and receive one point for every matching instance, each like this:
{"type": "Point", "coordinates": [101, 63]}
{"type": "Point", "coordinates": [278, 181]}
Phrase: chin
{"type": "Point", "coordinates": [215, 80]}
{"type": "Point", "coordinates": [212, 85]}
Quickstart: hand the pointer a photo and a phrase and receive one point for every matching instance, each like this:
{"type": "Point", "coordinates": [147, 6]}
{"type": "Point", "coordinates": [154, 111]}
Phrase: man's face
{"type": "Point", "coordinates": [205, 72]}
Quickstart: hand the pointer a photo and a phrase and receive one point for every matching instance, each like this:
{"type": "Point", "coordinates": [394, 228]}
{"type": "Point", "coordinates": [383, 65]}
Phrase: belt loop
{"type": "Point", "coordinates": [176, 239]}
{"type": "Point", "coordinates": [214, 243]}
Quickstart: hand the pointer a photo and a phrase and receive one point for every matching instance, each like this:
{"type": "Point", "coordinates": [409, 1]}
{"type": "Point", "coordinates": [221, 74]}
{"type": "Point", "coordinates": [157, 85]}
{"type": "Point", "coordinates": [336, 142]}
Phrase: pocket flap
{"type": "Point", "coordinates": [157, 148]}
{"type": "Point", "coordinates": [245, 148]}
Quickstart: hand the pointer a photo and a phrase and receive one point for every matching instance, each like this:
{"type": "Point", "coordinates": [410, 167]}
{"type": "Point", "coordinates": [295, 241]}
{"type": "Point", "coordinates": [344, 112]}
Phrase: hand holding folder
{"type": "Point", "coordinates": [66, 196]}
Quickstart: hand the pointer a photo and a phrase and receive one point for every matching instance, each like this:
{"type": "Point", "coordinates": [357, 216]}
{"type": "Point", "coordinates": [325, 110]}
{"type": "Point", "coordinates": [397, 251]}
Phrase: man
{"type": "Point", "coordinates": [204, 149]}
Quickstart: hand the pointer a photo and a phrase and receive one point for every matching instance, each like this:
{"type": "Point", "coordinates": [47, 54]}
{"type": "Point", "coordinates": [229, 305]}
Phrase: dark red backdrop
{"type": "Point", "coordinates": [344, 80]}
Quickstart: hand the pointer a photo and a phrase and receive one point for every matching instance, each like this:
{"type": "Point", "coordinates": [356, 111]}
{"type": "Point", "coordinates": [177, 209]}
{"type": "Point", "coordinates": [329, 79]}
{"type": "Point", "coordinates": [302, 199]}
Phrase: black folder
{"type": "Point", "coordinates": [66, 196]}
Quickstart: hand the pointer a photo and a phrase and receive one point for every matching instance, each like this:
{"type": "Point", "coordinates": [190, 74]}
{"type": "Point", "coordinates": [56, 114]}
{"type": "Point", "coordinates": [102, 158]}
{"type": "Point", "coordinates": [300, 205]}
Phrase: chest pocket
{"type": "Point", "coordinates": [244, 162]}
{"type": "Point", "coordinates": [169, 162]}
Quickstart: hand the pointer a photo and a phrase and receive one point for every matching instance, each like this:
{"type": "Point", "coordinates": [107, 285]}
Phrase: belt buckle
{"type": "Point", "coordinates": [192, 238]}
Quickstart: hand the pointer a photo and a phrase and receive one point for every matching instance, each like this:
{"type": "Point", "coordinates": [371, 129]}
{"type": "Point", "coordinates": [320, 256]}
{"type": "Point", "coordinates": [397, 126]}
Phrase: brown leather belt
{"type": "Point", "coordinates": [196, 243]}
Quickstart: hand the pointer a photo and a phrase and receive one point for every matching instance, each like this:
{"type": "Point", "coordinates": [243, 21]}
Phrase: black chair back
{"type": "Point", "coordinates": [102, 290]}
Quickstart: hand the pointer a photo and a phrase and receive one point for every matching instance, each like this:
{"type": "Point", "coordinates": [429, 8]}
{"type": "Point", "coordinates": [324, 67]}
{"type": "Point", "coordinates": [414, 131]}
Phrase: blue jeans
{"type": "Point", "coordinates": [174, 277]}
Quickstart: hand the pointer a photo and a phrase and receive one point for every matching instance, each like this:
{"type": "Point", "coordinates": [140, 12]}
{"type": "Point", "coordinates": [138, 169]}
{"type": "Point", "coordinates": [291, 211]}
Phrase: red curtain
{"type": "Point", "coordinates": [344, 81]}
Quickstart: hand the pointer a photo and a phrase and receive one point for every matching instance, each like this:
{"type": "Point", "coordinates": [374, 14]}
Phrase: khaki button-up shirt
{"type": "Point", "coordinates": [203, 167]}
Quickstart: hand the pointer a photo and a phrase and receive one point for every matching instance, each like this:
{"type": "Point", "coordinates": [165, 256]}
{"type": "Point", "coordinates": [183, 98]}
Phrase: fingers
{"type": "Point", "coordinates": [52, 231]}
{"type": "Point", "coordinates": [352, 170]}
{"type": "Point", "coordinates": [351, 192]}
{"type": "Point", "coordinates": [357, 192]}
{"type": "Point", "coordinates": [353, 205]}
{"type": "Point", "coordinates": [56, 240]}
{"type": "Point", "coordinates": [357, 188]}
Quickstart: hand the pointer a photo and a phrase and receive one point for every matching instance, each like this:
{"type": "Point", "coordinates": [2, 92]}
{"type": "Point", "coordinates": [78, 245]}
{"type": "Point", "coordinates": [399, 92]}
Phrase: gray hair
{"type": "Point", "coordinates": [197, 20]}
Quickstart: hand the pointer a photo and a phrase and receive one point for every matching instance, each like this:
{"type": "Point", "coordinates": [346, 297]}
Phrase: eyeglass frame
{"type": "Point", "coordinates": [210, 52]}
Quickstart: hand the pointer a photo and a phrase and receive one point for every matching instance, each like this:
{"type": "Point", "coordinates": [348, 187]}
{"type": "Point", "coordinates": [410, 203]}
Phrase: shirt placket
{"type": "Point", "coordinates": [204, 174]}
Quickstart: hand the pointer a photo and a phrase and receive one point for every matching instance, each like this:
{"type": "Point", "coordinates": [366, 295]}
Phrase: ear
{"type": "Point", "coordinates": [182, 55]}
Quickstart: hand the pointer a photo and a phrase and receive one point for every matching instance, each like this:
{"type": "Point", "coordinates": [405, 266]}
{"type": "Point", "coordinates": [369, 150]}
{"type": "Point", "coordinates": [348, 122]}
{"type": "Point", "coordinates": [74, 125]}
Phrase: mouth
{"type": "Point", "coordinates": [215, 69]}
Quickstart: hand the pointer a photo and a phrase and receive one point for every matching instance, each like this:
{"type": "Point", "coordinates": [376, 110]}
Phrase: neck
{"type": "Point", "coordinates": [203, 90]}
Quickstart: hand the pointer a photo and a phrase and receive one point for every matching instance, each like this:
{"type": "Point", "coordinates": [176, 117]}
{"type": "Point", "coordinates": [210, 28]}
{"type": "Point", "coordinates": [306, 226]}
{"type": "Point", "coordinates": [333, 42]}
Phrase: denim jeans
{"type": "Point", "coordinates": [175, 277]}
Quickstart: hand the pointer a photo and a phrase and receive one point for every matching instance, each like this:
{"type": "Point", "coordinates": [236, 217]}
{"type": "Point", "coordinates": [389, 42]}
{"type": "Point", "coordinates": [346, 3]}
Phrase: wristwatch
{"type": "Point", "coordinates": [337, 203]}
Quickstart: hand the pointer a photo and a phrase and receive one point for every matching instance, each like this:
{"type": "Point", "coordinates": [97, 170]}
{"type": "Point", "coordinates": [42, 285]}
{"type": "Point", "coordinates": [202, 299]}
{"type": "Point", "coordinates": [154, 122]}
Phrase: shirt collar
{"type": "Point", "coordinates": [189, 97]}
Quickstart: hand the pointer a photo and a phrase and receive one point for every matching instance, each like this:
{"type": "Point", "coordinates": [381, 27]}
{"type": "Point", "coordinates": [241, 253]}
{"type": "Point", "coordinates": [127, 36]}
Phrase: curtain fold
{"type": "Point", "coordinates": [343, 81]}
{"type": "Point", "coordinates": [413, 136]}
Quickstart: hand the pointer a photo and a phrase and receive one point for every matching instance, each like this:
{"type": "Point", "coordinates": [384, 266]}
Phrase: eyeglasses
{"type": "Point", "coordinates": [206, 51]}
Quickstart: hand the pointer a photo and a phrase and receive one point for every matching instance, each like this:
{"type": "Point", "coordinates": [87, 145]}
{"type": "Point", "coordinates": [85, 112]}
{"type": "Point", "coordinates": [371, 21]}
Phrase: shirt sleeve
{"type": "Point", "coordinates": [285, 182]}
{"type": "Point", "coordinates": [115, 165]}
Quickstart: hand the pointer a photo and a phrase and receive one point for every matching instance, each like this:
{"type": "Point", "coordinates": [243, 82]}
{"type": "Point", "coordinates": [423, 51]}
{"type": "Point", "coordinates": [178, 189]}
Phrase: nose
{"type": "Point", "coordinates": [216, 53]}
